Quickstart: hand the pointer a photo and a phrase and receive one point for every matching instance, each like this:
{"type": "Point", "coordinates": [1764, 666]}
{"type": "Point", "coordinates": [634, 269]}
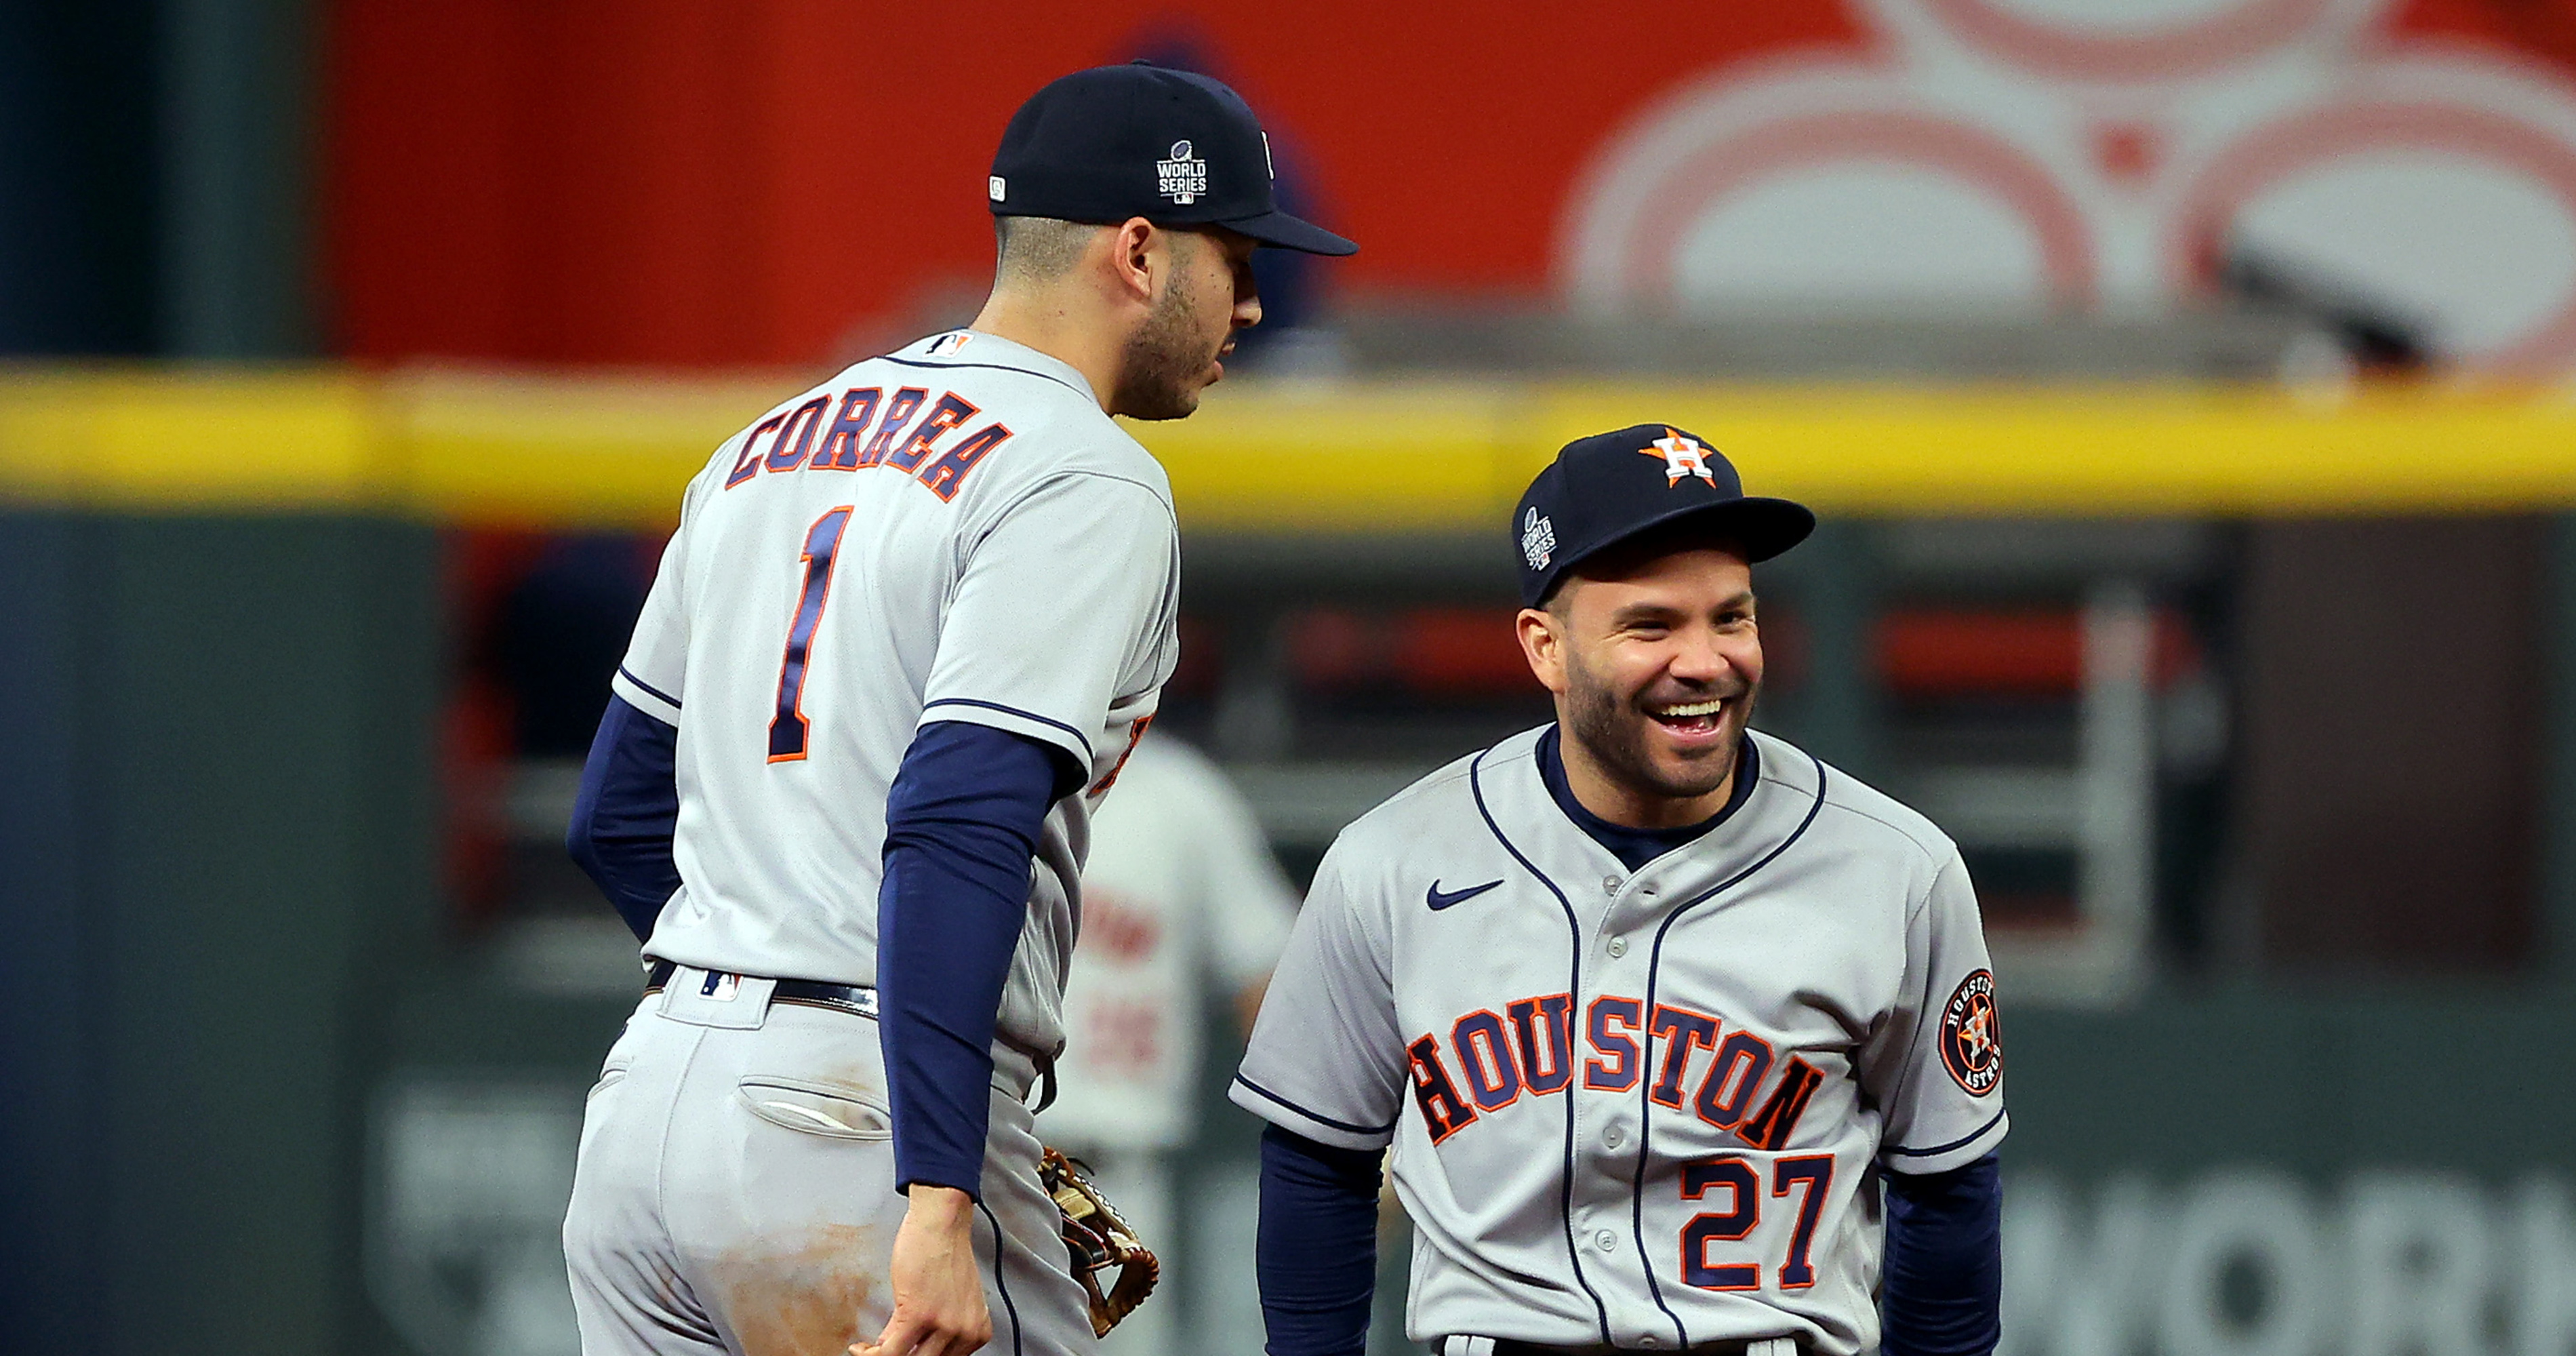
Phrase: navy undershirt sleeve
{"type": "Point", "coordinates": [1943, 1290]}
{"type": "Point", "coordinates": [962, 822]}
{"type": "Point", "coordinates": [1316, 1253]}
{"type": "Point", "coordinates": [623, 818]}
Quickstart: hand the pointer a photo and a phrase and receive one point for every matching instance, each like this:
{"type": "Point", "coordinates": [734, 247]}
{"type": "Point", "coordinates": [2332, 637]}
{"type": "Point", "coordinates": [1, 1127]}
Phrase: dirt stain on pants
{"type": "Point", "coordinates": [814, 1299]}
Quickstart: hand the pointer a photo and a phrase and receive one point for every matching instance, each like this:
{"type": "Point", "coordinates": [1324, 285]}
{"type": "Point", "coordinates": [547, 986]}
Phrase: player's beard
{"type": "Point", "coordinates": [1615, 730]}
{"type": "Point", "coordinates": [1167, 358]}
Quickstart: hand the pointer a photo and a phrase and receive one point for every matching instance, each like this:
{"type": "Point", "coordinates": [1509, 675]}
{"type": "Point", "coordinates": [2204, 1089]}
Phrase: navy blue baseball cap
{"type": "Point", "coordinates": [1610, 487]}
{"type": "Point", "coordinates": [1141, 140]}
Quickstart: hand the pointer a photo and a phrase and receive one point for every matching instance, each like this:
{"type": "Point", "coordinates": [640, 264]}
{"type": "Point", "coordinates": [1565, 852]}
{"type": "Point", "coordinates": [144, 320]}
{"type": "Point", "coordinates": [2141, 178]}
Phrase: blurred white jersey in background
{"type": "Point", "coordinates": [1180, 892]}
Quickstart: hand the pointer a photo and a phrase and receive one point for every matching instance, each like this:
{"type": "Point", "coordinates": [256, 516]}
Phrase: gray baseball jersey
{"type": "Point", "coordinates": [1639, 1109]}
{"type": "Point", "coordinates": [951, 532]}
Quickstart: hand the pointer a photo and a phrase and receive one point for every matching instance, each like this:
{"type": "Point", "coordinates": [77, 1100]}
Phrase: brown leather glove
{"type": "Point", "coordinates": [1098, 1240]}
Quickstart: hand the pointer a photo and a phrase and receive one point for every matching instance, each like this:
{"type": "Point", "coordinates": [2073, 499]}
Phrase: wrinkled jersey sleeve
{"type": "Point", "coordinates": [1936, 1065]}
{"type": "Point", "coordinates": [1326, 1060]}
{"type": "Point", "coordinates": [657, 657]}
{"type": "Point", "coordinates": [1063, 608]}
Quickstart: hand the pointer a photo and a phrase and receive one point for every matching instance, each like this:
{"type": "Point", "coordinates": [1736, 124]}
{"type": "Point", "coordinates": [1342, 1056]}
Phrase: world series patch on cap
{"type": "Point", "coordinates": [1614, 486]}
{"type": "Point", "coordinates": [1174, 147]}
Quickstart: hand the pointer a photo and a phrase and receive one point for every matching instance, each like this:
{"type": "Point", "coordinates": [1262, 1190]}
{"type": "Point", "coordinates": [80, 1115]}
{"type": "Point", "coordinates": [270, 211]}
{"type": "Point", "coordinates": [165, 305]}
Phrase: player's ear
{"type": "Point", "coordinates": [1542, 638]}
{"type": "Point", "coordinates": [1137, 251]}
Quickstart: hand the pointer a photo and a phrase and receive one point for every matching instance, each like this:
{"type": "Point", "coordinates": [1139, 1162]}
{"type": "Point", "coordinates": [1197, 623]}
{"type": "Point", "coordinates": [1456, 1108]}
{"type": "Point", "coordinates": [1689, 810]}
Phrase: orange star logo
{"type": "Point", "coordinates": [1683, 456]}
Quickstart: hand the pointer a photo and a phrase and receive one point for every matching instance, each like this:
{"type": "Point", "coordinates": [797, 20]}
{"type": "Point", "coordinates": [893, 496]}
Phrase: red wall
{"type": "Point", "coordinates": [693, 182]}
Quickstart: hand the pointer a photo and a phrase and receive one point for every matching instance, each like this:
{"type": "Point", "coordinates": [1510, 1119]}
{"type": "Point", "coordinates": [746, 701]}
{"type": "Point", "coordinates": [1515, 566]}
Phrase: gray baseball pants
{"type": "Point", "coordinates": [735, 1190]}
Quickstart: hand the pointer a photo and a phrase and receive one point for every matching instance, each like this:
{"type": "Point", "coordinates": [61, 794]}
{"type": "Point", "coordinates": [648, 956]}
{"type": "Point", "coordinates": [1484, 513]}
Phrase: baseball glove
{"type": "Point", "coordinates": [1098, 1240]}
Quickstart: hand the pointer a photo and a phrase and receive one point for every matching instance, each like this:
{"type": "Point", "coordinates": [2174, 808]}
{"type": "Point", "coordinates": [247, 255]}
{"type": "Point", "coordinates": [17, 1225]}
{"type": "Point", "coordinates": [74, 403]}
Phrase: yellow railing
{"type": "Point", "coordinates": [614, 450]}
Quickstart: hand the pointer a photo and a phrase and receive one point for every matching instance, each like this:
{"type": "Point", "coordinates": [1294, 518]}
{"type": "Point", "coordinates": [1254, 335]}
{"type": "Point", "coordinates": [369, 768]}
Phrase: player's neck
{"type": "Point", "coordinates": [1629, 807]}
{"type": "Point", "coordinates": [1049, 325]}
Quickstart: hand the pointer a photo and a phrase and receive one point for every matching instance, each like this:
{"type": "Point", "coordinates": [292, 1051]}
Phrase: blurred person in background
{"type": "Point", "coordinates": [1181, 892]}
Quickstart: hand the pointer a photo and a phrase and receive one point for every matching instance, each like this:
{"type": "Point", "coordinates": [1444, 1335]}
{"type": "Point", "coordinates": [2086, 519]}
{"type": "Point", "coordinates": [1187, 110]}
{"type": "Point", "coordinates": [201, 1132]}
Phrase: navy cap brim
{"type": "Point", "coordinates": [1760, 527]}
{"type": "Point", "coordinates": [1294, 233]}
{"type": "Point", "coordinates": [1764, 528]}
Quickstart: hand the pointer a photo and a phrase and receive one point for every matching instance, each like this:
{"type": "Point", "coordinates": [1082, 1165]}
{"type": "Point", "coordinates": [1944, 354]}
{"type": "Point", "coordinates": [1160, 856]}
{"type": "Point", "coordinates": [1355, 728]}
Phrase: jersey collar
{"type": "Point", "coordinates": [1636, 847]}
{"type": "Point", "coordinates": [1520, 809]}
{"type": "Point", "coordinates": [975, 348]}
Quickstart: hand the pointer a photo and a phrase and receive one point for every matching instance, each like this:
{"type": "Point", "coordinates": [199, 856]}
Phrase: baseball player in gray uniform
{"type": "Point", "coordinates": [910, 625]}
{"type": "Point", "coordinates": [1683, 1040]}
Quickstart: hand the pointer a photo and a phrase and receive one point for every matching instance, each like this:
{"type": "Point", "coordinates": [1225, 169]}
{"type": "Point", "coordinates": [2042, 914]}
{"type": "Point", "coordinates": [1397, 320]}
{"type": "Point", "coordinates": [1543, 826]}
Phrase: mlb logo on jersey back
{"type": "Point", "coordinates": [1184, 176]}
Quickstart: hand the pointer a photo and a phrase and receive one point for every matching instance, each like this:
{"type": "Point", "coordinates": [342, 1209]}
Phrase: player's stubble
{"type": "Point", "coordinates": [1165, 356]}
{"type": "Point", "coordinates": [1173, 355]}
{"type": "Point", "coordinates": [1617, 730]}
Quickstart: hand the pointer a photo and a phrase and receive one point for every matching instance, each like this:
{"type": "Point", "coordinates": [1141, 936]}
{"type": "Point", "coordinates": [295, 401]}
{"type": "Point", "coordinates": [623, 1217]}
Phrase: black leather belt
{"type": "Point", "coordinates": [859, 1000]}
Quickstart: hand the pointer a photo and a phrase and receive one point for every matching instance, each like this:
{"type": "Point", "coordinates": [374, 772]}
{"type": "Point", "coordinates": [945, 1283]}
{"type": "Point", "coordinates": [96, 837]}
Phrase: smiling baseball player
{"type": "Point", "coordinates": [1684, 1041]}
{"type": "Point", "coordinates": [911, 623]}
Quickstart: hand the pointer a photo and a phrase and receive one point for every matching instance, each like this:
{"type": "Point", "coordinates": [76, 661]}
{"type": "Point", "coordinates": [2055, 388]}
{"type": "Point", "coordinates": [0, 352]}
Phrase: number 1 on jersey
{"type": "Point", "coordinates": [787, 729]}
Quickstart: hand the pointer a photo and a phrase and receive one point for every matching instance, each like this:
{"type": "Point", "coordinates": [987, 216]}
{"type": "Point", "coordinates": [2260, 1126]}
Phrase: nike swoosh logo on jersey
{"type": "Point", "coordinates": [1438, 900]}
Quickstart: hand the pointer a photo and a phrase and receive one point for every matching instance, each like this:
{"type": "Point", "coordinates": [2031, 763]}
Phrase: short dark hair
{"type": "Point", "coordinates": [1038, 249]}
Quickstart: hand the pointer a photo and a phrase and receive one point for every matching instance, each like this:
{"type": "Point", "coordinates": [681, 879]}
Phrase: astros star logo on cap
{"type": "Point", "coordinates": [1683, 456]}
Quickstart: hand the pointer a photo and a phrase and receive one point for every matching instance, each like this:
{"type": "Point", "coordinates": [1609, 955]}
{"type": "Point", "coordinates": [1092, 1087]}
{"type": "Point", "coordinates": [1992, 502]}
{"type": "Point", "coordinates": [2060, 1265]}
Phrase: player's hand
{"type": "Point", "coordinates": [938, 1289]}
